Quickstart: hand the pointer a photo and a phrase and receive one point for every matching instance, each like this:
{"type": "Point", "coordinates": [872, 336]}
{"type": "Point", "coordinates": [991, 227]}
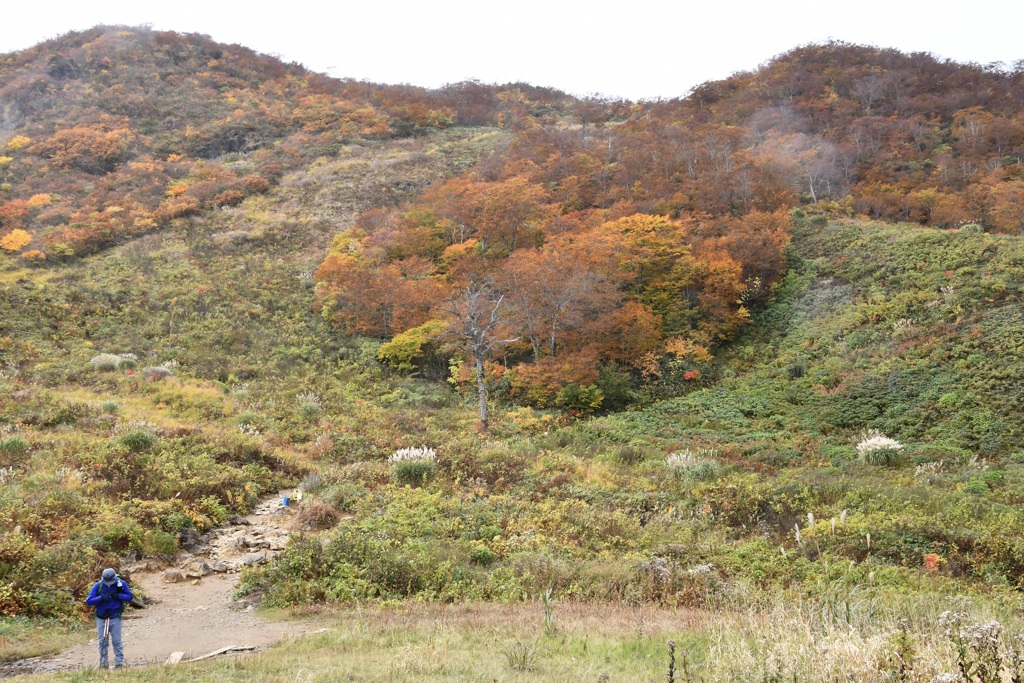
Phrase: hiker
{"type": "Point", "coordinates": [109, 596]}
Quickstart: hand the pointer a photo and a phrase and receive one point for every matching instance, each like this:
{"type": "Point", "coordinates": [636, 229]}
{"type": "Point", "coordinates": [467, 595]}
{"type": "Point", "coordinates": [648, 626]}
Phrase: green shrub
{"type": "Point", "coordinates": [62, 413]}
{"type": "Point", "coordinates": [211, 513]}
{"type": "Point", "coordinates": [994, 477]}
{"type": "Point", "coordinates": [579, 399]}
{"type": "Point", "coordinates": [138, 441]}
{"type": "Point", "coordinates": [156, 541]}
{"type": "Point", "coordinates": [105, 362]}
{"type": "Point", "coordinates": [414, 472]}
{"type": "Point", "coordinates": [177, 521]}
{"type": "Point", "coordinates": [122, 535]}
{"type": "Point", "coordinates": [248, 418]}
{"type": "Point", "coordinates": [631, 455]}
{"type": "Point", "coordinates": [13, 446]}
{"type": "Point", "coordinates": [616, 387]}
{"type": "Point", "coordinates": [977, 486]}
{"type": "Point", "coordinates": [110, 407]}
{"type": "Point", "coordinates": [699, 466]}
{"type": "Point", "coordinates": [344, 496]}
{"type": "Point", "coordinates": [482, 556]}
{"type": "Point", "coordinates": [310, 411]}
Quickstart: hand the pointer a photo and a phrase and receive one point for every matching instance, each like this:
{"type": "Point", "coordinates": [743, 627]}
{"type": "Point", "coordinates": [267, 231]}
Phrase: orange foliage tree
{"type": "Point", "coordinates": [86, 148]}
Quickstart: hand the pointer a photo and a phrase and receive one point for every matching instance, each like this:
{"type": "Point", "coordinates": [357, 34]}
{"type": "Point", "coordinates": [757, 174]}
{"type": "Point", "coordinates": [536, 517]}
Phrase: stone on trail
{"type": "Point", "coordinates": [173, 576]}
{"type": "Point", "coordinates": [197, 570]}
{"type": "Point", "coordinates": [251, 559]}
{"type": "Point", "coordinates": [255, 542]}
{"type": "Point", "coordinates": [137, 567]}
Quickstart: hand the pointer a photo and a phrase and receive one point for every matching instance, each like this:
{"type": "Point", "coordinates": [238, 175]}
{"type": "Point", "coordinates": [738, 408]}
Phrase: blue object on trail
{"type": "Point", "coordinates": [285, 501]}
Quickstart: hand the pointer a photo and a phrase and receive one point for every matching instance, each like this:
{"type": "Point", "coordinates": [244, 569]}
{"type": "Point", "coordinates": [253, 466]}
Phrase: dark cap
{"type": "Point", "coordinates": [109, 576]}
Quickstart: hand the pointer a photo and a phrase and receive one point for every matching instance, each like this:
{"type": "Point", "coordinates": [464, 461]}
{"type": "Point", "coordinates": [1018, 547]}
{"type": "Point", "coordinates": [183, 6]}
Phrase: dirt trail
{"type": "Point", "coordinates": [191, 609]}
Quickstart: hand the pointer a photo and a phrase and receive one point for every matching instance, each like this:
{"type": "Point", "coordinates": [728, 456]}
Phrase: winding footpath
{"type": "Point", "coordinates": [189, 610]}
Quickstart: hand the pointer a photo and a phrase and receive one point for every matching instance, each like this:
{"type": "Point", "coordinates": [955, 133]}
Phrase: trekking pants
{"type": "Point", "coordinates": [109, 630]}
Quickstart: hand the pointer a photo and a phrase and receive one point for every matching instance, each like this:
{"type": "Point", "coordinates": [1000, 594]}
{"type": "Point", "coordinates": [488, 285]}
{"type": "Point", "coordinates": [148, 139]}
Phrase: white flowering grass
{"type": "Point", "coordinates": [309, 405]}
{"type": "Point", "coordinates": [413, 453]}
{"type": "Point", "coordinates": [308, 398]}
{"type": "Point", "coordinates": [105, 362]}
{"type": "Point", "coordinates": [694, 466]}
{"type": "Point", "coordinates": [875, 448]}
{"type": "Point", "coordinates": [108, 362]}
{"type": "Point", "coordinates": [904, 327]}
{"type": "Point", "coordinates": [413, 466]}
{"type": "Point", "coordinates": [249, 430]}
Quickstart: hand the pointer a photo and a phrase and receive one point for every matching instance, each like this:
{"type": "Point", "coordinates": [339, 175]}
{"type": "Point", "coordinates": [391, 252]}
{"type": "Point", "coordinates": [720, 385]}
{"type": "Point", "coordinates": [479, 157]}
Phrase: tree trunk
{"type": "Point", "coordinates": [481, 388]}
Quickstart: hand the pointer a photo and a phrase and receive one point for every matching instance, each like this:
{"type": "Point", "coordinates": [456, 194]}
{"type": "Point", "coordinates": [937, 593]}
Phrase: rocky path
{"type": "Point", "coordinates": [189, 608]}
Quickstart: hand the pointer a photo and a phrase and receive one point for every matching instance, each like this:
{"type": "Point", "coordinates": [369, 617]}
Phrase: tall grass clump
{"type": "Point", "coordinates": [309, 405]}
{"type": "Point", "coordinates": [105, 362]}
{"type": "Point", "coordinates": [138, 441]}
{"type": "Point", "coordinates": [876, 448]}
{"type": "Point", "coordinates": [631, 455]}
{"type": "Point", "coordinates": [520, 655]}
{"type": "Point", "coordinates": [413, 466]}
{"type": "Point", "coordinates": [13, 446]}
{"type": "Point", "coordinates": [699, 466]}
{"type": "Point", "coordinates": [127, 361]}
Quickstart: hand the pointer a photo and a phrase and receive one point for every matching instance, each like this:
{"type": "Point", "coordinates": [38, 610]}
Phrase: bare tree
{"type": "Point", "coordinates": [475, 315]}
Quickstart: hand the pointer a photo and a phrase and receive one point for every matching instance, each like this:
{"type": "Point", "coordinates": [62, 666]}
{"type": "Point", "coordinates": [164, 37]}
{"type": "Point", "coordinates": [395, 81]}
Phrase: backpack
{"type": "Point", "coordinates": [112, 591]}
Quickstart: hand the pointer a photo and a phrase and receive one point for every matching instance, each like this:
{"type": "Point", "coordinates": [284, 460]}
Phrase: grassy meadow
{"type": "Point", "coordinates": [593, 642]}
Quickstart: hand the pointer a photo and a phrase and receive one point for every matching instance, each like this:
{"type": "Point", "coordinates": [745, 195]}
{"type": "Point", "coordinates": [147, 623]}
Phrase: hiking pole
{"type": "Point", "coordinates": [106, 628]}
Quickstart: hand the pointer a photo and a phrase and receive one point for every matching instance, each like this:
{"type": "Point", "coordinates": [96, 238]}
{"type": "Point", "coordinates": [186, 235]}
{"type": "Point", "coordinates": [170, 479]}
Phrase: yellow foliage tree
{"type": "Point", "coordinates": [15, 240]}
{"type": "Point", "coordinates": [17, 142]}
{"type": "Point", "coordinates": [38, 201]}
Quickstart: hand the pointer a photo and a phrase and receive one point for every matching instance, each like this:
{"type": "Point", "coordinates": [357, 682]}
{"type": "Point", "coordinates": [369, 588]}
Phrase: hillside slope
{"type": "Point", "coordinates": [225, 381]}
{"type": "Point", "coordinates": [159, 377]}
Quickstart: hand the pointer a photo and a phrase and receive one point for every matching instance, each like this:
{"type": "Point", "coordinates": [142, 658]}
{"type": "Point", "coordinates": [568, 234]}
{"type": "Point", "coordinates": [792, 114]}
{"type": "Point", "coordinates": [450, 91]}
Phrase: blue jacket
{"type": "Point", "coordinates": [109, 601]}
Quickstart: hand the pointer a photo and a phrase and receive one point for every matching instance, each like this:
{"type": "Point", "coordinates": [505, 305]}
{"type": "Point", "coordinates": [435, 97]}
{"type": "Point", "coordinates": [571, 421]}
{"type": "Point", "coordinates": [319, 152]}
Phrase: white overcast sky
{"type": "Point", "coordinates": [630, 48]}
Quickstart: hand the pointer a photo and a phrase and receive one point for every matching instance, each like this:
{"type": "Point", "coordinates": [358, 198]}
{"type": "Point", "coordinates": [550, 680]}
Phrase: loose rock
{"type": "Point", "coordinates": [173, 576]}
{"type": "Point", "coordinates": [250, 559]}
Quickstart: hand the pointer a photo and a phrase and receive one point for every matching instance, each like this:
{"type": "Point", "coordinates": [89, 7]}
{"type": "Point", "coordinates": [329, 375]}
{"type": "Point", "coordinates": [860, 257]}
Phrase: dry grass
{"type": "Point", "coordinates": [589, 643]}
{"type": "Point", "coordinates": [21, 638]}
